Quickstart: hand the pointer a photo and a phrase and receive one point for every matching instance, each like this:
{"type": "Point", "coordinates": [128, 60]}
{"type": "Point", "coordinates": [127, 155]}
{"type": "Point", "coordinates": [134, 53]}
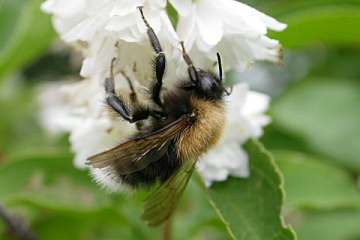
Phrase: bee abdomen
{"type": "Point", "coordinates": [158, 171]}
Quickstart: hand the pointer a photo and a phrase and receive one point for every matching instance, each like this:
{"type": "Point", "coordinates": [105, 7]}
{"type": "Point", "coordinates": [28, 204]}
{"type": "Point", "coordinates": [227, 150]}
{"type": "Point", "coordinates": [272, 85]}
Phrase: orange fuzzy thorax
{"type": "Point", "coordinates": [204, 132]}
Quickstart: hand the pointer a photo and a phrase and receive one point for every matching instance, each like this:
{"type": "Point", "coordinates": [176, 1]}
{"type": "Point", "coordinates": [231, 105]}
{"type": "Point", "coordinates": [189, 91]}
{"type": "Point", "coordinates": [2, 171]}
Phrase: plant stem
{"type": "Point", "coordinates": [15, 225]}
{"type": "Point", "coordinates": [167, 229]}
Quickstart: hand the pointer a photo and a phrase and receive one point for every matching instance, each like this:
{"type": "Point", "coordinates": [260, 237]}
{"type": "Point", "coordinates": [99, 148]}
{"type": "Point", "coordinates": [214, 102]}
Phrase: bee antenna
{"type": "Point", "coordinates": [220, 66]}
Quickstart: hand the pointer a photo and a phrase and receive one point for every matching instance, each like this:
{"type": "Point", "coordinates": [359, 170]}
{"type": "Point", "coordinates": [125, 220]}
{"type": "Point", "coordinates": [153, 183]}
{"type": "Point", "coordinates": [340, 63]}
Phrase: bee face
{"type": "Point", "coordinates": [209, 85]}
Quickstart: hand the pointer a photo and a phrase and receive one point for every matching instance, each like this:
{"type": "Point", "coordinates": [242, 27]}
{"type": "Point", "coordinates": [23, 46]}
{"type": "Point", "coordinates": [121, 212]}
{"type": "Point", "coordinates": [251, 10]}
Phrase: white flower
{"type": "Point", "coordinates": [232, 28]}
{"type": "Point", "coordinates": [83, 20]}
{"type": "Point", "coordinates": [79, 108]}
{"type": "Point", "coordinates": [107, 29]}
{"type": "Point", "coordinates": [95, 27]}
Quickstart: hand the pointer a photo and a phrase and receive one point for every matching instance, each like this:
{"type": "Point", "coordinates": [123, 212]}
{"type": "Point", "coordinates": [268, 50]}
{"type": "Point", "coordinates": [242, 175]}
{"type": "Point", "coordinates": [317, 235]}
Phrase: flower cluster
{"type": "Point", "coordinates": [108, 29]}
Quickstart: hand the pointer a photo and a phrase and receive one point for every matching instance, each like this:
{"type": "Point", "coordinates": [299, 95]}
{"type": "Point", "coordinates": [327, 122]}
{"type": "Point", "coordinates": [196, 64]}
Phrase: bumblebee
{"type": "Point", "coordinates": [191, 120]}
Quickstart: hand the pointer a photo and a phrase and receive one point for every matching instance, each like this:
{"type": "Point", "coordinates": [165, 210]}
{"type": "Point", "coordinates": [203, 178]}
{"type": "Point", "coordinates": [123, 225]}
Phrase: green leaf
{"type": "Point", "coordinates": [19, 112]}
{"type": "Point", "coordinates": [112, 222]}
{"type": "Point", "coordinates": [50, 181]}
{"type": "Point", "coordinates": [310, 182]}
{"type": "Point", "coordinates": [251, 207]}
{"type": "Point", "coordinates": [338, 63]}
{"type": "Point", "coordinates": [2, 228]}
{"type": "Point", "coordinates": [173, 15]}
{"type": "Point", "coordinates": [325, 114]}
{"type": "Point", "coordinates": [195, 218]}
{"type": "Point", "coordinates": [329, 225]}
{"type": "Point", "coordinates": [330, 22]}
{"type": "Point", "coordinates": [330, 25]}
{"type": "Point", "coordinates": [105, 224]}
{"type": "Point", "coordinates": [280, 8]}
{"type": "Point", "coordinates": [25, 33]}
{"type": "Point", "coordinates": [275, 139]}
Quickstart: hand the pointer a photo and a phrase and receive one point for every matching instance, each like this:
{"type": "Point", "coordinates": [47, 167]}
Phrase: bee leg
{"type": "Point", "coordinates": [159, 62]}
{"type": "Point", "coordinates": [133, 97]}
{"type": "Point", "coordinates": [119, 106]}
{"type": "Point", "coordinates": [133, 94]}
{"type": "Point", "coordinates": [116, 103]}
{"type": "Point", "coordinates": [191, 69]}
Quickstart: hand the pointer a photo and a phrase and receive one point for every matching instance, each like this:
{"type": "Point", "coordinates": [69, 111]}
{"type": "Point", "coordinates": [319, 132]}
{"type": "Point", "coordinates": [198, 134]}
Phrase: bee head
{"type": "Point", "coordinates": [208, 84]}
{"type": "Point", "coordinates": [204, 83]}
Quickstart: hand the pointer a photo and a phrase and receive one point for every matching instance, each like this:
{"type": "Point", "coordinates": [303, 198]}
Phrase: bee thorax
{"type": "Point", "coordinates": [205, 130]}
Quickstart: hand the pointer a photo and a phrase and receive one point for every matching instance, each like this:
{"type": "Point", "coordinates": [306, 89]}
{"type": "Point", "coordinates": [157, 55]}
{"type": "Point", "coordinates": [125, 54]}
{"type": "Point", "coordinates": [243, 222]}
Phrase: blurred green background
{"type": "Point", "coordinates": [314, 135]}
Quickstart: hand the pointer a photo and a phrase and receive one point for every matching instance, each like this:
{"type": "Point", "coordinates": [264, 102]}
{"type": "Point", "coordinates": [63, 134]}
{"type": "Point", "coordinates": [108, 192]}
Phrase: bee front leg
{"type": "Point", "coordinates": [159, 62]}
{"type": "Point", "coordinates": [191, 68]}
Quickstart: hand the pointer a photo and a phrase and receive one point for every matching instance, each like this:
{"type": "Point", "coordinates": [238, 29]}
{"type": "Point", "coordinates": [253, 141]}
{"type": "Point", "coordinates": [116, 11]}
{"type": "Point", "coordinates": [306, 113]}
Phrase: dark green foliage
{"type": "Point", "coordinates": [246, 204]}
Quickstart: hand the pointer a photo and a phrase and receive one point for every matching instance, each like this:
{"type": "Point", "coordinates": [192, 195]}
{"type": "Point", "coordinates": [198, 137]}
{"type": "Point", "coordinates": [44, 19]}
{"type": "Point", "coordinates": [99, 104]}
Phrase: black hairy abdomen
{"type": "Point", "coordinates": [158, 171]}
{"type": "Point", "coordinates": [175, 105]}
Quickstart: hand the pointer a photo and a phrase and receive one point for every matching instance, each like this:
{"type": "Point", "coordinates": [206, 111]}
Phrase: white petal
{"type": "Point", "coordinates": [187, 31]}
{"type": "Point", "coordinates": [242, 18]}
{"type": "Point", "coordinates": [84, 31]}
{"type": "Point", "coordinates": [273, 24]}
{"type": "Point", "coordinates": [62, 8]}
{"type": "Point", "coordinates": [183, 7]}
{"type": "Point", "coordinates": [168, 30]}
{"type": "Point", "coordinates": [56, 114]}
{"type": "Point", "coordinates": [158, 3]}
{"type": "Point", "coordinates": [237, 127]}
{"type": "Point", "coordinates": [255, 107]}
{"type": "Point", "coordinates": [223, 161]}
{"type": "Point", "coordinates": [210, 28]}
{"type": "Point", "coordinates": [98, 61]}
{"type": "Point", "coordinates": [256, 103]}
{"type": "Point", "coordinates": [125, 7]}
{"type": "Point", "coordinates": [119, 23]}
{"type": "Point", "coordinates": [265, 48]}
{"type": "Point", "coordinates": [236, 102]}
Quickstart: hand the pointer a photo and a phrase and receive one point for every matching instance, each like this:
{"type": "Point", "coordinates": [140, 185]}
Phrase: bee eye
{"type": "Point", "coordinates": [207, 83]}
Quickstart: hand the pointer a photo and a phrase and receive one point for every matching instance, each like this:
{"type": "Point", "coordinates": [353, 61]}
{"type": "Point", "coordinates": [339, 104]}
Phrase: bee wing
{"type": "Point", "coordinates": [161, 203]}
{"type": "Point", "coordinates": [137, 153]}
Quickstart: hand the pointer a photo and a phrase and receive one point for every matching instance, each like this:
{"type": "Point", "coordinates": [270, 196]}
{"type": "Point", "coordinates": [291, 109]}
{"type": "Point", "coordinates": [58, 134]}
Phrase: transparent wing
{"type": "Point", "coordinates": [138, 153]}
{"type": "Point", "coordinates": [161, 203]}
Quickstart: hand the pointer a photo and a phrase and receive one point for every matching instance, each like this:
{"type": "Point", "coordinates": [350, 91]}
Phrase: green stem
{"type": "Point", "coordinates": [167, 229]}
